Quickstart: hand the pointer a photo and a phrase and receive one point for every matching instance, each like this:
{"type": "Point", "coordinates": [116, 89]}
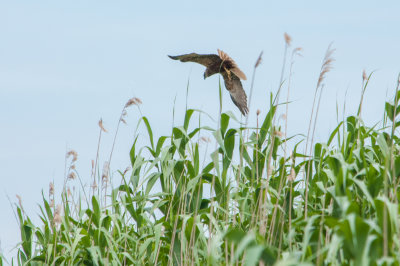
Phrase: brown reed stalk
{"type": "Point", "coordinates": [263, 224]}
{"type": "Point", "coordinates": [256, 65]}
{"type": "Point", "coordinates": [325, 68]}
{"type": "Point", "coordinates": [133, 101]}
{"type": "Point", "coordinates": [288, 40]}
{"type": "Point", "coordinates": [295, 51]}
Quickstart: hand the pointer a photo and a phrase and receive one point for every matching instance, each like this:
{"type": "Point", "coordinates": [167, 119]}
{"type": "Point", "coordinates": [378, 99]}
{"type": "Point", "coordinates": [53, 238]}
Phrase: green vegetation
{"type": "Point", "coordinates": [241, 198]}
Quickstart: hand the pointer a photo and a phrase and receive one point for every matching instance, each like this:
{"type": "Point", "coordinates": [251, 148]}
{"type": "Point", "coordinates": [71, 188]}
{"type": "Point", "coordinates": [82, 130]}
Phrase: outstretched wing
{"type": "Point", "coordinates": [231, 64]}
{"type": "Point", "coordinates": [204, 59]}
{"type": "Point", "coordinates": [238, 95]}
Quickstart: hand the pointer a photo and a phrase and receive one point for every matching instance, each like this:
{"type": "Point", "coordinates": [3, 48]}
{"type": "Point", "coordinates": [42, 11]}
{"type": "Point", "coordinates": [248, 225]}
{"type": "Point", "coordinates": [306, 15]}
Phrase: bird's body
{"type": "Point", "coordinates": [225, 66]}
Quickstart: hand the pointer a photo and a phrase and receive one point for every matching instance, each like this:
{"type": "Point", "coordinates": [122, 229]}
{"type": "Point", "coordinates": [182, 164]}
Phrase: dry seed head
{"type": "Point", "coordinates": [259, 60]}
{"type": "Point", "coordinates": [51, 189]}
{"type": "Point", "coordinates": [258, 112]}
{"type": "Point", "coordinates": [51, 205]}
{"type": "Point", "coordinates": [72, 167]}
{"type": "Point", "coordinates": [69, 193]}
{"type": "Point", "coordinates": [297, 51]}
{"type": "Point", "coordinates": [283, 116]}
{"type": "Point", "coordinates": [127, 169]}
{"type": "Point", "coordinates": [123, 121]}
{"type": "Point", "coordinates": [57, 215]}
{"type": "Point", "coordinates": [101, 126]}
{"type": "Point", "coordinates": [72, 176]}
{"type": "Point", "coordinates": [104, 176]}
{"type": "Point", "coordinates": [288, 39]}
{"type": "Point", "coordinates": [57, 219]}
{"type": "Point", "coordinates": [58, 209]}
{"type": "Point", "coordinates": [133, 101]}
{"type": "Point", "coordinates": [130, 102]}
{"type": "Point", "coordinates": [138, 101]}
{"type": "Point", "coordinates": [74, 155]}
{"type": "Point", "coordinates": [326, 65]}
{"type": "Point", "coordinates": [364, 76]}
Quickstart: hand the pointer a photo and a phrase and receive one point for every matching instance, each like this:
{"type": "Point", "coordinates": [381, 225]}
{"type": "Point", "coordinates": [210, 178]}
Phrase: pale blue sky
{"type": "Point", "coordinates": [65, 65]}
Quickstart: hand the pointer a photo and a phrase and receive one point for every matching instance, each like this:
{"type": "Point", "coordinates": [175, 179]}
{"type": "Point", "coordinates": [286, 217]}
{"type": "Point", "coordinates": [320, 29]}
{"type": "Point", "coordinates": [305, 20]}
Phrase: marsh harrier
{"type": "Point", "coordinates": [224, 65]}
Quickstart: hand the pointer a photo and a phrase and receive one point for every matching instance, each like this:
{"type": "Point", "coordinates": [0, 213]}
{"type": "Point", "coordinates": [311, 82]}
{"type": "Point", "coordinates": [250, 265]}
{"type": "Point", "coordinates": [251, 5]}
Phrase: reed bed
{"type": "Point", "coordinates": [232, 195]}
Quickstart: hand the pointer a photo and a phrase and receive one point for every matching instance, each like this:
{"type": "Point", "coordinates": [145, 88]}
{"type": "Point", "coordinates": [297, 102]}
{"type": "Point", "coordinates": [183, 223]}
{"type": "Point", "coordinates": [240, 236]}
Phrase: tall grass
{"type": "Point", "coordinates": [244, 202]}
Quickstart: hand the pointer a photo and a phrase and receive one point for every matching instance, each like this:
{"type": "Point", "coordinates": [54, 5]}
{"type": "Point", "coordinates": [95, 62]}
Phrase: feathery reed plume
{"type": "Point", "coordinates": [292, 176]}
{"type": "Point", "coordinates": [57, 215]}
{"type": "Point", "coordinates": [263, 226]}
{"type": "Point", "coordinates": [288, 39]}
{"type": "Point", "coordinates": [105, 174]}
{"type": "Point", "coordinates": [130, 102]}
{"type": "Point", "coordinates": [133, 101]}
{"type": "Point", "coordinates": [364, 84]}
{"type": "Point", "coordinates": [51, 189]}
{"type": "Point", "coordinates": [101, 125]}
{"type": "Point", "coordinates": [326, 65]}
{"type": "Point", "coordinates": [69, 193]}
{"type": "Point", "coordinates": [72, 176]}
{"type": "Point", "coordinates": [94, 163]}
{"type": "Point", "coordinates": [74, 155]}
{"type": "Point", "coordinates": [127, 169]}
{"type": "Point", "coordinates": [138, 101]}
{"type": "Point", "coordinates": [297, 51]}
{"type": "Point", "coordinates": [51, 205]}
{"type": "Point", "coordinates": [325, 68]}
{"type": "Point", "coordinates": [256, 65]}
{"type": "Point", "coordinates": [259, 60]}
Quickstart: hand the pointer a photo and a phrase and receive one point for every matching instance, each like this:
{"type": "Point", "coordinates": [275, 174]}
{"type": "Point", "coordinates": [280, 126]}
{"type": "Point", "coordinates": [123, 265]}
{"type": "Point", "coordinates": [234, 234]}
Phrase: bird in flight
{"type": "Point", "coordinates": [225, 66]}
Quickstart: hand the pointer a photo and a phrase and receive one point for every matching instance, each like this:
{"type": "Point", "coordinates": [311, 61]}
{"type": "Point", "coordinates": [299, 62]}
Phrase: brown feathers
{"type": "Point", "coordinates": [233, 67]}
{"type": "Point", "coordinates": [227, 67]}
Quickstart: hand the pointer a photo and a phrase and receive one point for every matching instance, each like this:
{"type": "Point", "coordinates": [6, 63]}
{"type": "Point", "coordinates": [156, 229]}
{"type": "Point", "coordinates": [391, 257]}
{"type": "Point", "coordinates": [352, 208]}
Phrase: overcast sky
{"type": "Point", "coordinates": [63, 66]}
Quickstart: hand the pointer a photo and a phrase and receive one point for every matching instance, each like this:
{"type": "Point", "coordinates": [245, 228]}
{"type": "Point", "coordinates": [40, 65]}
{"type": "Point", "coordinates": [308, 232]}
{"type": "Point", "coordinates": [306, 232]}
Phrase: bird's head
{"type": "Point", "coordinates": [207, 73]}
